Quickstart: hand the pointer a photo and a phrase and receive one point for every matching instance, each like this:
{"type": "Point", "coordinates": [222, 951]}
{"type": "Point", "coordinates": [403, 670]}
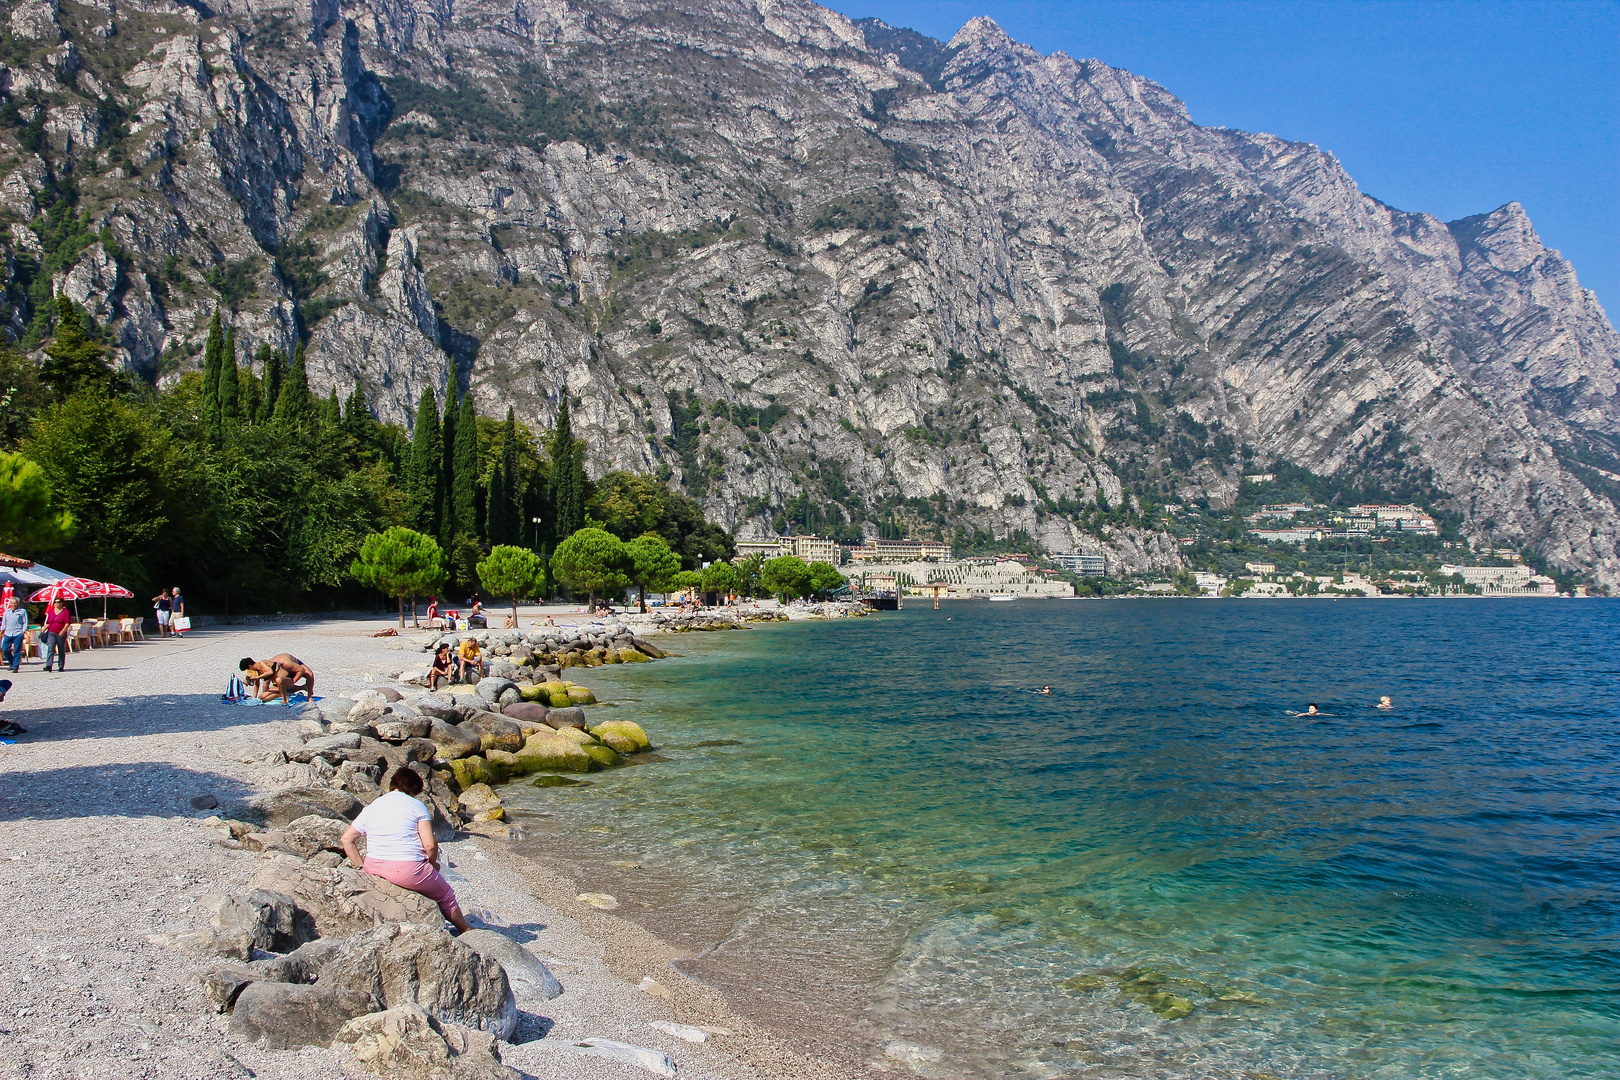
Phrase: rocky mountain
{"type": "Point", "coordinates": [808, 268]}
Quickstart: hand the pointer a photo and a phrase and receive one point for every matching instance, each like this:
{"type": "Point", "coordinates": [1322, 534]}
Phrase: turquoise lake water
{"type": "Point", "coordinates": [892, 837]}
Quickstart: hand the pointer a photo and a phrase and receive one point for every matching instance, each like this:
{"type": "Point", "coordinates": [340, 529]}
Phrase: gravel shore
{"type": "Point", "coordinates": [102, 850]}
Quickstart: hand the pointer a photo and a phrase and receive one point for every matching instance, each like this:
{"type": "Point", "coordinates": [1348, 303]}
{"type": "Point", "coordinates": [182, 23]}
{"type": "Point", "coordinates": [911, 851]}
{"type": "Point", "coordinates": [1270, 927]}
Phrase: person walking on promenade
{"type": "Point", "coordinates": [400, 846]}
{"type": "Point", "coordinates": [164, 608]}
{"type": "Point", "coordinates": [13, 625]}
{"type": "Point", "coordinates": [177, 604]}
{"type": "Point", "coordinates": [57, 618]}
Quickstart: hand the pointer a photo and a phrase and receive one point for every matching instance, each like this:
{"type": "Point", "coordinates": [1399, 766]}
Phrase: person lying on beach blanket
{"type": "Point", "coordinates": [400, 846]}
{"type": "Point", "coordinates": [282, 674]}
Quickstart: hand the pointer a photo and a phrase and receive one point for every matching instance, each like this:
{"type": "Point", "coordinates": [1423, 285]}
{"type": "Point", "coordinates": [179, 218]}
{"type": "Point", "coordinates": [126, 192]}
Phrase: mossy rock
{"type": "Point", "coordinates": [592, 659]}
{"type": "Point", "coordinates": [581, 695]}
{"type": "Point", "coordinates": [604, 756]}
{"type": "Point", "coordinates": [628, 729]}
{"type": "Point", "coordinates": [619, 742]}
{"type": "Point", "coordinates": [560, 699]}
{"type": "Point", "coordinates": [471, 770]}
{"type": "Point", "coordinates": [1169, 1006]}
{"type": "Point", "coordinates": [535, 692]}
{"type": "Point", "coordinates": [633, 656]}
{"type": "Point", "coordinates": [497, 813]}
{"type": "Point", "coordinates": [551, 754]}
{"type": "Point", "coordinates": [610, 656]}
{"type": "Point", "coordinates": [560, 781]}
{"type": "Point", "coordinates": [504, 764]}
{"type": "Point", "coordinates": [1084, 984]}
{"type": "Point", "coordinates": [573, 735]}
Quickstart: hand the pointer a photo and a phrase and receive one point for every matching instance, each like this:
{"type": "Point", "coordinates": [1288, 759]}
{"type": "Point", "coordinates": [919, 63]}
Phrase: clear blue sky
{"type": "Point", "coordinates": [1448, 107]}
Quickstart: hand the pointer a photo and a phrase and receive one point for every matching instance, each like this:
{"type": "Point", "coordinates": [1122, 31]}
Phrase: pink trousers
{"type": "Point", "coordinates": [418, 877]}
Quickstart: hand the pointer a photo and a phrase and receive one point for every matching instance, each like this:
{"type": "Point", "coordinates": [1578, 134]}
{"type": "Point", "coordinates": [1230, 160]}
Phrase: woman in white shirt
{"type": "Point", "coordinates": [400, 846]}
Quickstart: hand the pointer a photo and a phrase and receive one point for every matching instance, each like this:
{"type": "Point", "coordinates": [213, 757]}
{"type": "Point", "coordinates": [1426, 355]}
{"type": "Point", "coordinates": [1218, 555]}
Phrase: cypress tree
{"type": "Point", "coordinates": [331, 415]}
{"type": "Point", "coordinates": [567, 476]}
{"type": "Point", "coordinates": [293, 401]}
{"type": "Point", "coordinates": [213, 351]}
{"type": "Point", "coordinates": [248, 395]}
{"type": "Point", "coordinates": [464, 492]}
{"type": "Point", "coordinates": [449, 523]}
{"type": "Point", "coordinates": [272, 364]}
{"type": "Point", "coordinates": [513, 507]}
{"type": "Point", "coordinates": [426, 463]}
{"type": "Point", "coordinates": [229, 386]}
{"type": "Point", "coordinates": [498, 514]}
{"type": "Point", "coordinates": [357, 418]}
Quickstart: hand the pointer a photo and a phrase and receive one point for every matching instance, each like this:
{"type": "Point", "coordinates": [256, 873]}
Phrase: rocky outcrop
{"type": "Point", "coordinates": [955, 283]}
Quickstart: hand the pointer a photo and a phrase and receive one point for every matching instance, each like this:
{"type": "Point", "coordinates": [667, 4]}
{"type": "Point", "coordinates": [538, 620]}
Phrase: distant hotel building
{"type": "Point", "coordinates": [1503, 580]}
{"type": "Point", "coordinates": [809, 548]}
{"type": "Point", "coordinates": [899, 551]}
{"type": "Point", "coordinates": [1286, 536]}
{"type": "Point", "coordinates": [1406, 518]}
{"type": "Point", "coordinates": [1084, 565]}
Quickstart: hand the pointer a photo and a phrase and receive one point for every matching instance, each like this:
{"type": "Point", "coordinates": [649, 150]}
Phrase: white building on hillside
{"type": "Point", "coordinates": [808, 548]}
{"type": "Point", "coordinates": [1518, 580]}
{"type": "Point", "coordinates": [1078, 563]}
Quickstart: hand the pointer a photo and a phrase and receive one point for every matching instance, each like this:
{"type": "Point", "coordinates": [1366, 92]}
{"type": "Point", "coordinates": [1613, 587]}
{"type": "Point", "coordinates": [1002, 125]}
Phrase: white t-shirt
{"type": "Point", "coordinates": [389, 826]}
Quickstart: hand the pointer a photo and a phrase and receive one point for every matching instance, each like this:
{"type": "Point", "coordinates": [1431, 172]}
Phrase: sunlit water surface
{"type": "Point", "coordinates": [891, 833]}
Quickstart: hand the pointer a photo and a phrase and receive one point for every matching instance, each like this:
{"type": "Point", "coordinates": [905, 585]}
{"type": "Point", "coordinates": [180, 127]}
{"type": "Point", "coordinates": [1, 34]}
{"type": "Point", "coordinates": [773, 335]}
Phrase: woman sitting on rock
{"type": "Point", "coordinates": [443, 667]}
{"type": "Point", "coordinates": [400, 846]}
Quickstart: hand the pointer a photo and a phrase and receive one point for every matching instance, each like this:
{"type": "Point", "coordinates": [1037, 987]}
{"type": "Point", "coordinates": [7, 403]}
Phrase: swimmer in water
{"type": "Point", "coordinates": [1046, 689]}
{"type": "Point", "coordinates": [1310, 710]}
{"type": "Point", "coordinates": [1384, 703]}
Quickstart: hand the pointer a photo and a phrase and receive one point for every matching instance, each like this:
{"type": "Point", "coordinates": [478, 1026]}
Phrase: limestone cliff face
{"type": "Point", "coordinates": [780, 254]}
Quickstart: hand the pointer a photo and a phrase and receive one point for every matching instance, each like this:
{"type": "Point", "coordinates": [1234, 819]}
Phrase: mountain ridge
{"type": "Point", "coordinates": [975, 295]}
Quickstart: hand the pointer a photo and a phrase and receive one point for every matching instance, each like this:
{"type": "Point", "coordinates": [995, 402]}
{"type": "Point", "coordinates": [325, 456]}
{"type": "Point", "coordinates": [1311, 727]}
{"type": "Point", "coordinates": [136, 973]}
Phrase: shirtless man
{"type": "Point", "coordinates": [282, 674]}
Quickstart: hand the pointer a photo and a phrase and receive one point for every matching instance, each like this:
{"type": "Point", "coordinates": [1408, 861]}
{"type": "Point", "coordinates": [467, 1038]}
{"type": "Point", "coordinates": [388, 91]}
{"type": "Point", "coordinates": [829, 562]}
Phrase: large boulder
{"type": "Point", "coordinates": [628, 732]}
{"type": "Point", "coordinates": [411, 964]}
{"type": "Point", "coordinates": [405, 1043]}
{"type": "Point", "coordinates": [264, 919]}
{"type": "Point", "coordinates": [289, 1015]}
{"type": "Point", "coordinates": [453, 742]}
{"type": "Point", "coordinates": [577, 736]}
{"type": "Point", "coordinates": [535, 692]}
{"type": "Point", "coordinates": [305, 837]}
{"type": "Point", "coordinates": [341, 900]}
{"type": "Point", "coordinates": [283, 807]}
{"type": "Point", "coordinates": [390, 695]}
{"type": "Point", "coordinates": [491, 688]}
{"type": "Point", "coordinates": [581, 695]}
{"type": "Point", "coordinates": [335, 710]}
{"type": "Point", "coordinates": [478, 798]}
{"type": "Point", "coordinates": [529, 978]}
{"type": "Point", "coordinates": [472, 771]}
{"type": "Point", "coordinates": [398, 728]}
{"type": "Point", "coordinates": [348, 741]}
{"type": "Point", "coordinates": [530, 712]}
{"type": "Point", "coordinates": [604, 756]}
{"type": "Point", "coordinates": [550, 753]}
{"type": "Point", "coordinates": [567, 716]}
{"type": "Point", "coordinates": [496, 732]}
{"type": "Point", "coordinates": [434, 706]}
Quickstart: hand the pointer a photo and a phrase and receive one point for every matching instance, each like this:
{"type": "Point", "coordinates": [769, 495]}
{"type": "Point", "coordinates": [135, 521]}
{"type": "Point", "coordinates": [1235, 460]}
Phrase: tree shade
{"type": "Point", "coordinates": [400, 562]}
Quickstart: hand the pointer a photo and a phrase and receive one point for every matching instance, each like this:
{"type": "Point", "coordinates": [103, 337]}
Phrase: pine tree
{"type": "Point", "coordinates": [292, 404]}
{"type": "Point", "coordinates": [213, 353]}
{"type": "Point", "coordinates": [567, 476]}
{"type": "Point", "coordinates": [464, 490]}
{"type": "Point", "coordinates": [229, 386]}
{"type": "Point", "coordinates": [272, 364]}
{"type": "Point", "coordinates": [76, 358]}
{"type": "Point", "coordinates": [426, 464]}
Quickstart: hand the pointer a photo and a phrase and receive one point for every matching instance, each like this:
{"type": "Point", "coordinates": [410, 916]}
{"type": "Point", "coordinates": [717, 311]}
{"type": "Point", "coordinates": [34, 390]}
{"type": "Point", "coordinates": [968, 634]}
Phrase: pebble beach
{"type": "Point", "coordinates": [113, 858]}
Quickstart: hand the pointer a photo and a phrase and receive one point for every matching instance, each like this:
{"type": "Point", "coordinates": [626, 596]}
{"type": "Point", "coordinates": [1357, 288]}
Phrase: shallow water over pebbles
{"type": "Point", "coordinates": [984, 881]}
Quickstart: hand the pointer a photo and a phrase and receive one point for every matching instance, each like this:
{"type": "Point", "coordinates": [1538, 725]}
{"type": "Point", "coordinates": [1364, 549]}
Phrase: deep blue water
{"type": "Point", "coordinates": [906, 833]}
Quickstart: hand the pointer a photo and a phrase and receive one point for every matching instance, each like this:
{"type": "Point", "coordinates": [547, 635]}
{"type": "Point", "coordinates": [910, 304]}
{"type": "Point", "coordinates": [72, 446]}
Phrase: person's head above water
{"type": "Point", "coordinates": [1311, 708]}
{"type": "Point", "coordinates": [1384, 702]}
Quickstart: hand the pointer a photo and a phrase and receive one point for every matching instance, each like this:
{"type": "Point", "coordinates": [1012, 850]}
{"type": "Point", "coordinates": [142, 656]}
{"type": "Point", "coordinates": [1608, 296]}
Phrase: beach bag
{"type": "Point", "coordinates": [180, 622]}
{"type": "Point", "coordinates": [235, 690]}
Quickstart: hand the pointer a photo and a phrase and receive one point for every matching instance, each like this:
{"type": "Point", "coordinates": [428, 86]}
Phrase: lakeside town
{"type": "Point", "coordinates": [1286, 550]}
